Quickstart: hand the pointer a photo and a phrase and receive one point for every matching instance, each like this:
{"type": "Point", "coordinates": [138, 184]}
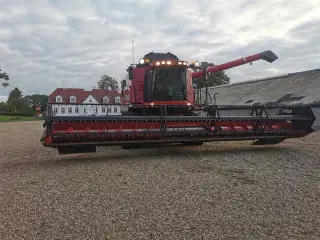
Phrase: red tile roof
{"type": "Point", "coordinates": [81, 95]}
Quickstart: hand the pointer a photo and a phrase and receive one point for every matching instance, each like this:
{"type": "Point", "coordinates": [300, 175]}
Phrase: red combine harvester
{"type": "Point", "coordinates": [162, 109]}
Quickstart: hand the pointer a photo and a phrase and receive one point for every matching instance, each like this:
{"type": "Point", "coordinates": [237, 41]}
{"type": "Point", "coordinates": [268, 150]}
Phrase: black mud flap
{"type": "Point", "coordinates": [77, 149]}
{"type": "Point", "coordinates": [268, 141]}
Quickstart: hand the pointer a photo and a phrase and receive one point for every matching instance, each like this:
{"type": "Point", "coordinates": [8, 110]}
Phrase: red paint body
{"type": "Point", "coordinates": [96, 127]}
{"type": "Point", "coordinates": [106, 132]}
{"type": "Point", "coordinates": [229, 65]}
{"type": "Point", "coordinates": [137, 89]}
{"type": "Point", "coordinates": [137, 84]}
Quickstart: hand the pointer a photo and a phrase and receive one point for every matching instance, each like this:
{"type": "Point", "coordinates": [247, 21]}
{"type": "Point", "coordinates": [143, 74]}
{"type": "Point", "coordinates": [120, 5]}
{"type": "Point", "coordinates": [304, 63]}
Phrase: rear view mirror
{"type": "Point", "coordinates": [123, 83]}
{"type": "Point", "coordinates": [130, 71]}
{"type": "Point", "coordinates": [131, 74]}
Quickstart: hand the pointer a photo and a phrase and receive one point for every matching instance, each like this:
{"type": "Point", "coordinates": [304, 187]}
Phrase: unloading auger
{"type": "Point", "coordinates": [162, 109]}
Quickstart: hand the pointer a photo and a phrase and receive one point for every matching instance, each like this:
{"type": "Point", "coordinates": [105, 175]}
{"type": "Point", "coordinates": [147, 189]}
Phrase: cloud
{"type": "Point", "coordinates": [3, 98]}
{"type": "Point", "coordinates": [46, 44]}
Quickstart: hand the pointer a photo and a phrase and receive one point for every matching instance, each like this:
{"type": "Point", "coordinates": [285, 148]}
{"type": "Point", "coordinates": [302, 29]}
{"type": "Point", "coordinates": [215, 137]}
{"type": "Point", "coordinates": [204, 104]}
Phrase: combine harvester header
{"type": "Point", "coordinates": [162, 109]}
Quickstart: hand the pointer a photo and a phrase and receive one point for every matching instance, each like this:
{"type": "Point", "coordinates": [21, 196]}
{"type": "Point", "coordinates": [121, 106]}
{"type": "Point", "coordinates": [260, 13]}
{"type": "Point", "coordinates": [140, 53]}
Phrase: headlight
{"type": "Point", "coordinates": [197, 63]}
{"type": "Point", "coordinates": [141, 61]}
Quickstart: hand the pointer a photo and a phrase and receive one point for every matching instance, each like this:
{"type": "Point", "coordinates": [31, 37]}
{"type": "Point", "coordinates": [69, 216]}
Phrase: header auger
{"type": "Point", "coordinates": [162, 109]}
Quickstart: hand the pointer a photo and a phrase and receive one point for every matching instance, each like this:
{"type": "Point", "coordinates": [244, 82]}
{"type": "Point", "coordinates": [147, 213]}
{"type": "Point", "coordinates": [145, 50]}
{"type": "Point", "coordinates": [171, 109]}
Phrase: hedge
{"type": "Point", "coordinates": [16, 114]}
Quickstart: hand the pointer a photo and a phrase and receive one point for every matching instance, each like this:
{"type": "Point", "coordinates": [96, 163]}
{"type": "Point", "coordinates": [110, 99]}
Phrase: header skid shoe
{"type": "Point", "coordinates": [267, 124]}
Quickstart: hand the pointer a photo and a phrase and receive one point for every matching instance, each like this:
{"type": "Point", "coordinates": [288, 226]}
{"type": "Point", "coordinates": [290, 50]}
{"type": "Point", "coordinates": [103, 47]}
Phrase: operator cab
{"type": "Point", "coordinates": [166, 79]}
{"type": "Point", "coordinates": [165, 83]}
{"type": "Point", "coordinates": [160, 77]}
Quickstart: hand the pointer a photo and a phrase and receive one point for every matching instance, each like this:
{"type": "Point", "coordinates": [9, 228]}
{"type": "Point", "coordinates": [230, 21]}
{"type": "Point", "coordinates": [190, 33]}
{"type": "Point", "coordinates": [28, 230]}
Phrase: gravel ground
{"type": "Point", "coordinates": [216, 191]}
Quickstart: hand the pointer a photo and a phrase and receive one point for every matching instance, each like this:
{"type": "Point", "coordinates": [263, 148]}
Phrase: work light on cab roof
{"type": "Point", "coordinates": [168, 63]}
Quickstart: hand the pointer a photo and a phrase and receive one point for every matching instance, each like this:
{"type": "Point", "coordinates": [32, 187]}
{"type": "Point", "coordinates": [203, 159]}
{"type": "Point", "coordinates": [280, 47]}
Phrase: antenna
{"type": "Point", "coordinates": [132, 53]}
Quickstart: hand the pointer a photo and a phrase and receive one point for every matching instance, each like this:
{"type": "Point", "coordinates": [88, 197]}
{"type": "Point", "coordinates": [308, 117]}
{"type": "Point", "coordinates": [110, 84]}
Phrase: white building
{"type": "Point", "coordinates": [81, 102]}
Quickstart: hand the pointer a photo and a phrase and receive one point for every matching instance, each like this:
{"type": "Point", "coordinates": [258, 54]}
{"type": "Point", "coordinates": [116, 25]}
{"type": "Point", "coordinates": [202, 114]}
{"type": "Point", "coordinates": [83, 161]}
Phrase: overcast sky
{"type": "Point", "coordinates": [45, 44]}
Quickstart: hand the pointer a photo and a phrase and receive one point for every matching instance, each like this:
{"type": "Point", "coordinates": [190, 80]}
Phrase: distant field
{"type": "Point", "coordinates": [18, 118]}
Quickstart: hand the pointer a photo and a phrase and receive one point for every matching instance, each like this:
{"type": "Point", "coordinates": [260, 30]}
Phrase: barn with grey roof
{"type": "Point", "coordinates": [292, 88]}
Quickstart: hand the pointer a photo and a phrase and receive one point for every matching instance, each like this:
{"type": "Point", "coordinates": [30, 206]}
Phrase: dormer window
{"type": "Point", "coordinates": [72, 99]}
{"type": "Point", "coordinates": [58, 99]}
{"type": "Point", "coordinates": [117, 100]}
{"type": "Point", "coordinates": [105, 100]}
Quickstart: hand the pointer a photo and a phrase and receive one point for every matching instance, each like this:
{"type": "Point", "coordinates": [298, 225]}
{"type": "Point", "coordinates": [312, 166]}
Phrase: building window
{"type": "Point", "coordinates": [63, 110]}
{"type": "Point", "coordinates": [103, 109]}
{"type": "Point", "coordinates": [105, 100]}
{"type": "Point", "coordinates": [109, 109]}
{"type": "Point", "coordinates": [55, 110]}
{"type": "Point", "coordinates": [58, 99]}
{"type": "Point", "coordinates": [77, 110]}
{"type": "Point", "coordinates": [117, 100]}
{"type": "Point", "coordinates": [69, 109]}
{"type": "Point", "coordinates": [72, 99]}
{"type": "Point", "coordinates": [115, 109]}
{"type": "Point", "coordinates": [85, 110]}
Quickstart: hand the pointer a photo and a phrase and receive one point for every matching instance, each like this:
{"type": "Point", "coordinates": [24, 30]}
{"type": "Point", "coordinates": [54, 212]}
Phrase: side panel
{"type": "Point", "coordinates": [271, 124]}
{"type": "Point", "coordinates": [316, 110]}
{"type": "Point", "coordinates": [137, 85]}
{"type": "Point", "coordinates": [190, 90]}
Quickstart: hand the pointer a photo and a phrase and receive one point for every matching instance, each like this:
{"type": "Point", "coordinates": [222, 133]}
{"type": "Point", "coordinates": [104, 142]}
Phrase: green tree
{"type": "Point", "coordinates": [15, 99]}
{"type": "Point", "coordinates": [15, 94]}
{"type": "Point", "coordinates": [19, 103]}
{"type": "Point", "coordinates": [37, 100]}
{"type": "Point", "coordinates": [4, 78]}
{"type": "Point", "coordinates": [214, 79]}
{"type": "Point", "coordinates": [108, 83]}
{"type": "Point", "coordinates": [6, 107]}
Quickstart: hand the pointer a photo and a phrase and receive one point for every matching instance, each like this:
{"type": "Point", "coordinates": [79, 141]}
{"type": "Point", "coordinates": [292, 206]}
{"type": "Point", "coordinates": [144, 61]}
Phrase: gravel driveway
{"type": "Point", "coordinates": [216, 191]}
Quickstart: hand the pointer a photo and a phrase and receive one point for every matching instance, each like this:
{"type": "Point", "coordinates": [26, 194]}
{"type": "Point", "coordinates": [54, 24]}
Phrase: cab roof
{"type": "Point", "coordinates": [160, 56]}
